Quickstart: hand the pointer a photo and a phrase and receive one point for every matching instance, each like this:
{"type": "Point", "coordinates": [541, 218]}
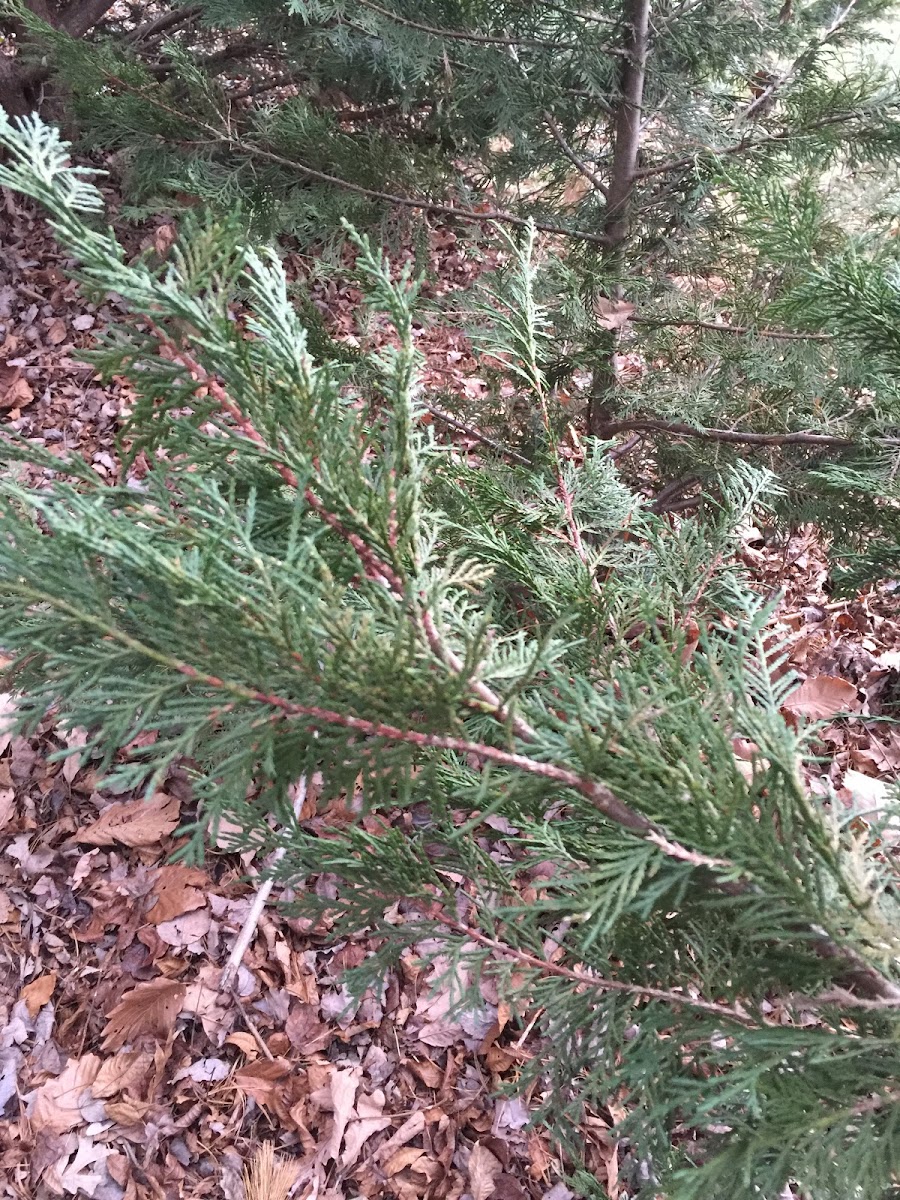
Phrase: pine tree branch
{"type": "Point", "coordinates": [587, 978]}
{"type": "Point", "coordinates": [448, 210]}
{"type": "Point", "coordinates": [647, 425]}
{"type": "Point", "coordinates": [317, 718]}
{"type": "Point", "coordinates": [854, 967]}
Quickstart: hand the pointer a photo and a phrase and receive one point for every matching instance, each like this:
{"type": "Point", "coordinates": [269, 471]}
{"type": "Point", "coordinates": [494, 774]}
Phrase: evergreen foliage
{"type": "Point", "coordinates": [765, 154]}
{"type": "Point", "coordinates": [522, 665]}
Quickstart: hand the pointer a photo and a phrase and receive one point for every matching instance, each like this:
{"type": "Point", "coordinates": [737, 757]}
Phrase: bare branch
{"type": "Point", "coordinates": [163, 23]}
{"type": "Point", "coordinates": [593, 179]}
{"type": "Point", "coordinates": [784, 335]}
{"type": "Point", "coordinates": [648, 425]}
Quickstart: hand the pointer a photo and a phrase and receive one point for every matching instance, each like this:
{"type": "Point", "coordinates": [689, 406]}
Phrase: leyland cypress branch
{"type": "Point", "coordinates": [587, 978]}
{"type": "Point", "coordinates": [420, 204]}
{"type": "Point", "coordinates": [463, 35]}
{"type": "Point", "coordinates": [861, 973]}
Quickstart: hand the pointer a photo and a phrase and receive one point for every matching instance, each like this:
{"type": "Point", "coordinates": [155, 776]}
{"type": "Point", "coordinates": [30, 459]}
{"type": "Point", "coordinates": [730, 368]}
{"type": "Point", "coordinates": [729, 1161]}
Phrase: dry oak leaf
{"type": "Point", "coordinates": [135, 823]}
{"type": "Point", "coordinates": [176, 890]}
{"type": "Point", "coordinates": [820, 697]}
{"type": "Point", "coordinates": [483, 1171]}
{"type": "Point", "coordinates": [150, 1008]}
{"type": "Point", "coordinates": [38, 992]}
{"type": "Point", "coordinates": [56, 1104]}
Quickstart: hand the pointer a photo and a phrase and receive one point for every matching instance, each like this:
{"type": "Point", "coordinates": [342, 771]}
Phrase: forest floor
{"type": "Point", "coordinates": [105, 944]}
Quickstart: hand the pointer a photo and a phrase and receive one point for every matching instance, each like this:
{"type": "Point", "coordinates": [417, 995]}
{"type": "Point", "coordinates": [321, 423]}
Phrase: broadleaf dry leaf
{"type": "Point", "coordinates": [821, 697]}
{"type": "Point", "coordinates": [483, 1171]}
{"type": "Point", "coordinates": [56, 1105]}
{"type": "Point", "coordinates": [151, 1008]}
{"type": "Point", "coordinates": [133, 823]}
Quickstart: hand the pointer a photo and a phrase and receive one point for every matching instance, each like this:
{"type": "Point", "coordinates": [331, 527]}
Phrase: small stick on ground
{"type": "Point", "coordinates": [248, 929]}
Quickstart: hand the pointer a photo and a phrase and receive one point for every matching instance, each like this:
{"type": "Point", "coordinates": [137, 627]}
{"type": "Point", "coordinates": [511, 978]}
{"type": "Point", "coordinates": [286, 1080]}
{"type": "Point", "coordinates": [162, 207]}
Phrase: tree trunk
{"type": "Point", "coordinates": [619, 201]}
{"type": "Point", "coordinates": [22, 84]}
{"type": "Point", "coordinates": [20, 87]}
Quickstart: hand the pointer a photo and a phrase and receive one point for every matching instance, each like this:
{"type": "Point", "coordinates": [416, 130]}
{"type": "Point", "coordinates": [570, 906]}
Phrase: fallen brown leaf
{"type": "Point", "coordinates": [38, 992]}
{"type": "Point", "coordinates": [820, 697]}
{"type": "Point", "coordinates": [133, 823]}
{"type": "Point", "coordinates": [368, 1119]}
{"type": "Point", "coordinates": [408, 1156]}
{"type": "Point", "coordinates": [122, 1073]}
{"type": "Point", "coordinates": [14, 389]}
{"type": "Point", "coordinates": [263, 1080]}
{"type": "Point", "coordinates": [56, 332]}
{"type": "Point", "coordinates": [342, 1085]}
{"type": "Point", "coordinates": [176, 890]}
{"type": "Point", "coordinates": [306, 1032]}
{"type": "Point", "coordinates": [483, 1171]}
{"type": "Point", "coordinates": [151, 1008]}
{"type": "Point", "coordinates": [56, 1106]}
